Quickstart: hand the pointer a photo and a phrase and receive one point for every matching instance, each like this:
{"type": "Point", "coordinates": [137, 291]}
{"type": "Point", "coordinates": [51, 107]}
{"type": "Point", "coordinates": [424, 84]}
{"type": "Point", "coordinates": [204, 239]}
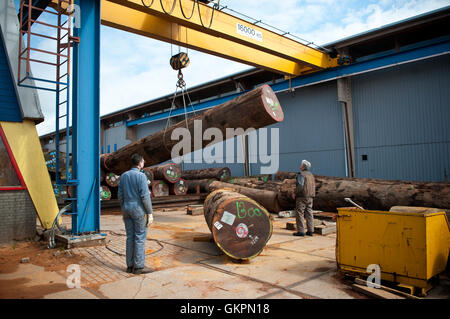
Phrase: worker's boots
{"type": "Point", "coordinates": [140, 271]}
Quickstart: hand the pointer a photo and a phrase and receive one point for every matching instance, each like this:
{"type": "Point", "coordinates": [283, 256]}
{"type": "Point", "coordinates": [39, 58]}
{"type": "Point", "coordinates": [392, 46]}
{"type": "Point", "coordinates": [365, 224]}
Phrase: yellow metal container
{"type": "Point", "coordinates": [410, 244]}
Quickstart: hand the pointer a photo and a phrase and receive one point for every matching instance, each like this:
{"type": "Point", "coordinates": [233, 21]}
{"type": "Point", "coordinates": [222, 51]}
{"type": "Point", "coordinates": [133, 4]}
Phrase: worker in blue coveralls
{"type": "Point", "coordinates": [134, 197]}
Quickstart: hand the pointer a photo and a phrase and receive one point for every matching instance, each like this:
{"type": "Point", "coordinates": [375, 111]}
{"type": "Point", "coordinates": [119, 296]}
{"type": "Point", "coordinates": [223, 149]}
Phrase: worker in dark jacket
{"type": "Point", "coordinates": [305, 191]}
{"type": "Point", "coordinates": [137, 212]}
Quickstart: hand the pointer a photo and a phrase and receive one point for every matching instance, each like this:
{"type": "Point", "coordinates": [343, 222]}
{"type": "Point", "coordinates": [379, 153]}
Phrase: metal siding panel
{"type": "Point", "coordinates": [312, 129]}
{"type": "Point", "coordinates": [401, 121]}
{"type": "Point", "coordinates": [9, 106]}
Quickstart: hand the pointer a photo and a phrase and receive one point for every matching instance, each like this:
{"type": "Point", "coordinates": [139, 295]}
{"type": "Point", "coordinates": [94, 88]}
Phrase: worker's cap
{"type": "Point", "coordinates": [306, 164]}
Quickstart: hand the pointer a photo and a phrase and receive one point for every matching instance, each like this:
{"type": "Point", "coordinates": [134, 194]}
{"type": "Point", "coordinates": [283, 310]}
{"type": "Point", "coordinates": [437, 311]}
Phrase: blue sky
{"type": "Point", "coordinates": [135, 69]}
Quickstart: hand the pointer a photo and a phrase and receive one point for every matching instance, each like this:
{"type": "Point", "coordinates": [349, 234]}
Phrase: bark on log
{"type": "Point", "coordinates": [178, 188]}
{"type": "Point", "coordinates": [281, 176]}
{"type": "Point", "coordinates": [112, 180]}
{"type": "Point", "coordinates": [240, 226]}
{"type": "Point", "coordinates": [219, 173]}
{"type": "Point", "coordinates": [267, 198]}
{"type": "Point", "coordinates": [199, 185]}
{"type": "Point", "coordinates": [374, 194]}
{"type": "Point", "coordinates": [160, 188]}
{"type": "Point", "coordinates": [169, 172]}
{"type": "Point", "coordinates": [255, 109]}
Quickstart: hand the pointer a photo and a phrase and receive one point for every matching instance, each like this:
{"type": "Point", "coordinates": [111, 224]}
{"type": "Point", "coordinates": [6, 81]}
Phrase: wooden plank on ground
{"type": "Point", "coordinates": [375, 292]}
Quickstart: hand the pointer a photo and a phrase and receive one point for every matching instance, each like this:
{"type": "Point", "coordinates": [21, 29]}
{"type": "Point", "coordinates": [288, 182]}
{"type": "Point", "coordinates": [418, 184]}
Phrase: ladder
{"type": "Point", "coordinates": [58, 62]}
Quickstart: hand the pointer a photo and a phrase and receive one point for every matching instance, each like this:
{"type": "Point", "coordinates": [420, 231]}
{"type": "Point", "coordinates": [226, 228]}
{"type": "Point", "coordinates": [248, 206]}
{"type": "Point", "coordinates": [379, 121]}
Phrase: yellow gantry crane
{"type": "Point", "coordinates": [199, 25]}
{"type": "Point", "coordinates": [208, 29]}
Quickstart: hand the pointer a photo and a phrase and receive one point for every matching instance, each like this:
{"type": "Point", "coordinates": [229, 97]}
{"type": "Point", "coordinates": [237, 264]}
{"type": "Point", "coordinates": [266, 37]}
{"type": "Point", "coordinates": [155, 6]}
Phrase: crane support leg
{"type": "Point", "coordinates": [86, 118]}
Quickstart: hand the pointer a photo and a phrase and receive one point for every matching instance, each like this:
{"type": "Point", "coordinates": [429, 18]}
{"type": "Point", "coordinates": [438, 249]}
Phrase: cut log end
{"type": "Point", "coordinates": [239, 225]}
{"type": "Point", "coordinates": [105, 193]}
{"type": "Point", "coordinates": [271, 104]}
{"type": "Point", "coordinates": [160, 188]}
{"type": "Point", "coordinates": [179, 188]}
{"type": "Point", "coordinates": [112, 179]}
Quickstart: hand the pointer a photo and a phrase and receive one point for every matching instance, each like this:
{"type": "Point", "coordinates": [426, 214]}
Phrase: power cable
{"type": "Point", "coordinates": [192, 12]}
{"type": "Point", "coordinates": [171, 9]}
{"type": "Point", "coordinates": [147, 6]}
{"type": "Point", "coordinates": [214, 7]}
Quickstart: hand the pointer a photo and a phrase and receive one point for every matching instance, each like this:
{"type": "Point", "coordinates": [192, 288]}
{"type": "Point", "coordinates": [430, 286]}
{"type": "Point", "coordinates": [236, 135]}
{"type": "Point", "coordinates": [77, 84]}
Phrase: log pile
{"type": "Point", "coordinates": [239, 225]}
{"type": "Point", "coordinates": [374, 194]}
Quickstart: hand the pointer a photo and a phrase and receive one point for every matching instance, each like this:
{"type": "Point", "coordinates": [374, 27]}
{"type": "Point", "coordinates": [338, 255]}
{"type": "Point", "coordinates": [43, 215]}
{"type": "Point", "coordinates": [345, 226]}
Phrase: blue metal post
{"type": "Point", "coordinates": [86, 118]}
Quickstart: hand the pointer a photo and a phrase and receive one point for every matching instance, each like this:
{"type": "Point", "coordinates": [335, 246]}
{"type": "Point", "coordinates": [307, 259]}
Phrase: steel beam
{"type": "Point", "coordinates": [229, 27]}
{"type": "Point", "coordinates": [137, 21]}
{"type": "Point", "coordinates": [86, 118]}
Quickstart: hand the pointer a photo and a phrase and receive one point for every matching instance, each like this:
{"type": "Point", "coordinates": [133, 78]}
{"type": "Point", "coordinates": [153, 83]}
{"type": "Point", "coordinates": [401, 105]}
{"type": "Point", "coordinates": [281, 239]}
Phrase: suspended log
{"type": "Point", "coordinates": [148, 173]}
{"type": "Point", "coordinates": [255, 109]}
{"type": "Point", "coordinates": [198, 186]}
{"type": "Point", "coordinates": [280, 176]}
{"type": "Point", "coordinates": [105, 193]}
{"type": "Point", "coordinates": [219, 173]}
{"type": "Point", "coordinates": [240, 226]}
{"type": "Point", "coordinates": [268, 199]}
{"type": "Point", "coordinates": [169, 172]}
{"type": "Point", "coordinates": [178, 188]}
{"type": "Point", "coordinates": [112, 180]}
{"type": "Point", "coordinates": [160, 188]}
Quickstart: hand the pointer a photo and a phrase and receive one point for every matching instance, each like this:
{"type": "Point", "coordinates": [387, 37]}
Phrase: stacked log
{"type": "Point", "coordinates": [267, 198]}
{"type": "Point", "coordinates": [261, 106]}
{"type": "Point", "coordinates": [375, 194]}
{"type": "Point", "coordinates": [178, 188]}
{"type": "Point", "coordinates": [160, 188]}
{"type": "Point", "coordinates": [219, 173]}
{"type": "Point", "coordinates": [112, 179]}
{"type": "Point", "coordinates": [239, 225]}
{"type": "Point", "coordinates": [105, 193]}
{"type": "Point", "coordinates": [170, 173]}
{"type": "Point", "coordinates": [262, 178]}
{"type": "Point", "coordinates": [281, 176]}
{"type": "Point", "coordinates": [197, 186]}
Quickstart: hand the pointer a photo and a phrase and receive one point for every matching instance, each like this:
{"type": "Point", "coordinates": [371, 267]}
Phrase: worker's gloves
{"type": "Point", "coordinates": [150, 219]}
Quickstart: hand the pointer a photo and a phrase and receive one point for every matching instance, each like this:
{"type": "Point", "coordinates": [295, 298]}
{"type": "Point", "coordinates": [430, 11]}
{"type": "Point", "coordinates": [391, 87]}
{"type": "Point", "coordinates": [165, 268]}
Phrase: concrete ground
{"type": "Point", "coordinates": [288, 268]}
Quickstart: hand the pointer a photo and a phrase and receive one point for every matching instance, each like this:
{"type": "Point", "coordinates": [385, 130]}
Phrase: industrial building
{"type": "Point", "coordinates": [394, 97]}
{"type": "Point", "coordinates": [100, 205]}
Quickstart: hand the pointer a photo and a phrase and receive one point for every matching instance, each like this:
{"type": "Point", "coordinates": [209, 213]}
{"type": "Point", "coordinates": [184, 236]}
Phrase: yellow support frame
{"type": "Point", "coordinates": [274, 52]}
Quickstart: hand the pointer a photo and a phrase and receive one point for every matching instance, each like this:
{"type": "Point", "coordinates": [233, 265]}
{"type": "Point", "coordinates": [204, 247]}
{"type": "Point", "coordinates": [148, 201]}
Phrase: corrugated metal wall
{"type": "Point", "coordinates": [402, 117]}
{"type": "Point", "coordinates": [312, 129]}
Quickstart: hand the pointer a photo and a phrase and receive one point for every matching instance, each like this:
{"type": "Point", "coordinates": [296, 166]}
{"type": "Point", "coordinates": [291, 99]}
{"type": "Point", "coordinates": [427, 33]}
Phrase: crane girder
{"type": "Point", "coordinates": [228, 36]}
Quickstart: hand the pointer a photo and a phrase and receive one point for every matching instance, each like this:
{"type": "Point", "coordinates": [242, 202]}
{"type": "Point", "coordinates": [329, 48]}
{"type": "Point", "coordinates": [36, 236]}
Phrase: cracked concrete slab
{"type": "Point", "coordinates": [186, 282]}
